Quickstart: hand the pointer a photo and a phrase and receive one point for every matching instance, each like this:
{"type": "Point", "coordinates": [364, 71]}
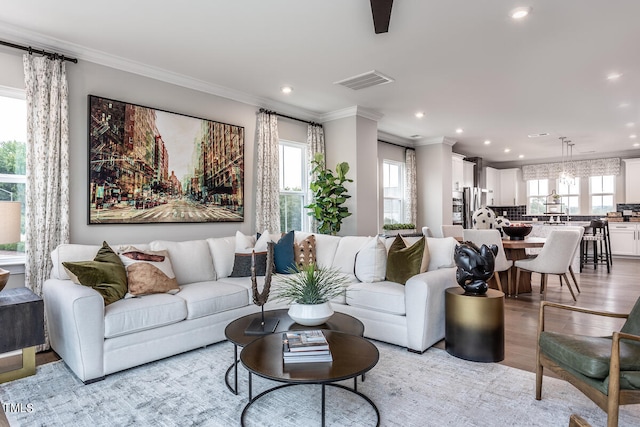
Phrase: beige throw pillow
{"type": "Point", "coordinates": [149, 272]}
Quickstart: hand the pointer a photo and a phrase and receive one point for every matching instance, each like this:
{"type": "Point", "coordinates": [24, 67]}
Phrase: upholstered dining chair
{"type": "Point", "coordinates": [554, 258]}
{"type": "Point", "coordinates": [605, 369]}
{"type": "Point", "coordinates": [455, 231]}
{"type": "Point", "coordinates": [492, 237]}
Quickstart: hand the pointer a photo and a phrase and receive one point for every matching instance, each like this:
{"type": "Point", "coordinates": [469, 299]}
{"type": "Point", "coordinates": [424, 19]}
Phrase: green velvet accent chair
{"type": "Point", "coordinates": [605, 369]}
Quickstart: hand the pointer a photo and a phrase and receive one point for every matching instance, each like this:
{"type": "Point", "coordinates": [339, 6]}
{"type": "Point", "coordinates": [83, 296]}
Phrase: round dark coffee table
{"type": "Point", "coordinates": [234, 332]}
{"type": "Point", "coordinates": [352, 356]}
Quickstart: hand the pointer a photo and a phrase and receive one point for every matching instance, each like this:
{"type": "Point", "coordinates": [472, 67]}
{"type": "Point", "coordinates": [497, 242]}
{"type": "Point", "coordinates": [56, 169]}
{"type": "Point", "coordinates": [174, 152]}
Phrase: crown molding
{"type": "Point", "coordinates": [436, 140]}
{"type": "Point", "coordinates": [18, 35]}
{"type": "Point", "coordinates": [384, 136]}
{"type": "Point", "coordinates": [356, 110]}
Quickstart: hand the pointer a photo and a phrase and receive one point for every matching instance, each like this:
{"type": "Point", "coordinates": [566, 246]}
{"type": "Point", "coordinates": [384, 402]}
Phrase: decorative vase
{"type": "Point", "coordinates": [310, 314]}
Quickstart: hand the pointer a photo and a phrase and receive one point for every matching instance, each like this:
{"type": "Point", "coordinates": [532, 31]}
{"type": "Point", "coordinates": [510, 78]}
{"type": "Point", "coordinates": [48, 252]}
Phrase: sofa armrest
{"type": "Point", "coordinates": [75, 321]}
{"type": "Point", "coordinates": [424, 300]}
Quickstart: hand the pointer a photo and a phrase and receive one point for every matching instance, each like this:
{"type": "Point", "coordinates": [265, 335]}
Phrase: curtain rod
{"type": "Point", "coordinates": [31, 50]}
{"type": "Point", "coordinates": [397, 145]}
{"type": "Point", "coordinates": [264, 110]}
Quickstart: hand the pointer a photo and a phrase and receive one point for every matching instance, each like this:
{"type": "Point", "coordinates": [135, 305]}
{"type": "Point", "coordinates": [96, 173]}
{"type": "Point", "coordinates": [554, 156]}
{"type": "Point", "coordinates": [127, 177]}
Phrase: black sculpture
{"type": "Point", "coordinates": [262, 325]}
{"type": "Point", "coordinates": [475, 266]}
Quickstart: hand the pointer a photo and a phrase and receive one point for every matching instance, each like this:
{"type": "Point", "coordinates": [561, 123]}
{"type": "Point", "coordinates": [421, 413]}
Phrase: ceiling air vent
{"type": "Point", "coordinates": [365, 80]}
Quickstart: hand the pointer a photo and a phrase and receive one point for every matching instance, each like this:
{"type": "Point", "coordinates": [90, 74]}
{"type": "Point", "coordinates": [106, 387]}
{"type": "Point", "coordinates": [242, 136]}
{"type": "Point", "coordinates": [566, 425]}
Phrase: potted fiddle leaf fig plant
{"type": "Point", "coordinates": [309, 290]}
{"type": "Point", "coordinates": [329, 195]}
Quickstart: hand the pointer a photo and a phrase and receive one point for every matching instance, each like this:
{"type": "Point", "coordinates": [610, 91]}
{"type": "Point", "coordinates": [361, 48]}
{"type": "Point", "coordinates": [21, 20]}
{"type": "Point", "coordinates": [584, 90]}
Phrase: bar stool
{"type": "Point", "coordinates": [598, 233]}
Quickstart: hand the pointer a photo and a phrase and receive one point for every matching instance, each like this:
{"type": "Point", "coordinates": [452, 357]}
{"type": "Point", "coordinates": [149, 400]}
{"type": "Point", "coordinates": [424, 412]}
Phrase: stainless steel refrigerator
{"type": "Point", "coordinates": [472, 200]}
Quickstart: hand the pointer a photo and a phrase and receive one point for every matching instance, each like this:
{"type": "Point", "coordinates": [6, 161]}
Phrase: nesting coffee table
{"type": "Point", "coordinates": [234, 332]}
{"type": "Point", "coordinates": [352, 356]}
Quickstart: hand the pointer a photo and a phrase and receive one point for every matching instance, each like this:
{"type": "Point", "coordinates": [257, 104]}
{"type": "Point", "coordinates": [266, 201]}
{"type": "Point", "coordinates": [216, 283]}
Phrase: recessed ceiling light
{"type": "Point", "coordinates": [419, 114]}
{"type": "Point", "coordinates": [521, 156]}
{"type": "Point", "coordinates": [613, 76]}
{"type": "Point", "coordinates": [637, 144]}
{"type": "Point", "coordinates": [286, 89]}
{"type": "Point", "coordinates": [630, 124]}
{"type": "Point", "coordinates": [415, 136]}
{"type": "Point", "coordinates": [624, 105]}
{"type": "Point", "coordinates": [537, 135]}
{"type": "Point", "coordinates": [487, 142]}
{"type": "Point", "coordinates": [506, 150]}
{"type": "Point", "coordinates": [459, 130]}
{"type": "Point", "coordinates": [520, 12]}
{"type": "Point", "coordinates": [633, 136]}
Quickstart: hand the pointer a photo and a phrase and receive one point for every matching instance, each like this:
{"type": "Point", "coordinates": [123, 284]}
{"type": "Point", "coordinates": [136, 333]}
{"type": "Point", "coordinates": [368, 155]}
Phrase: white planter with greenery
{"type": "Point", "coordinates": [393, 229]}
{"type": "Point", "coordinates": [309, 291]}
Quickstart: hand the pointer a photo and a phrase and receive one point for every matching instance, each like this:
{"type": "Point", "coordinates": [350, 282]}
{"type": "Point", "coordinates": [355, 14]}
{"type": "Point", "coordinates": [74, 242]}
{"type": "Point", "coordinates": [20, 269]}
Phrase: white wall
{"type": "Point", "coordinates": [434, 186]}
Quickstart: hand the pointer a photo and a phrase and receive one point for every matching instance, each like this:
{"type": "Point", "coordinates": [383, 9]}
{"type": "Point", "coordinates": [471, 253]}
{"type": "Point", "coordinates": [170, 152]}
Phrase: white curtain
{"type": "Point", "coordinates": [47, 188]}
{"type": "Point", "coordinates": [268, 186]}
{"type": "Point", "coordinates": [577, 168]}
{"type": "Point", "coordinates": [411, 192]}
{"type": "Point", "coordinates": [315, 140]}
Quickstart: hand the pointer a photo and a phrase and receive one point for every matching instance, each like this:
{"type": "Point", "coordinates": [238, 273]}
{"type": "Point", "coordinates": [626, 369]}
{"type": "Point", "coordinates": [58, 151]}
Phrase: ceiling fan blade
{"type": "Point", "coordinates": [381, 11]}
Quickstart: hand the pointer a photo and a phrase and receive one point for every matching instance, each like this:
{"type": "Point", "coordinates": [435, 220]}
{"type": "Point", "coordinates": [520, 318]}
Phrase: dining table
{"type": "Point", "coordinates": [516, 250]}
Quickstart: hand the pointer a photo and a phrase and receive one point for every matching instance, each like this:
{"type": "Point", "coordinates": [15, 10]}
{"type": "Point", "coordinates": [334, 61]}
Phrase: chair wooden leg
{"type": "Point", "coordinates": [509, 281]}
{"type": "Point", "coordinates": [582, 254]}
{"type": "Point", "coordinates": [496, 274]}
{"type": "Point", "coordinates": [517, 280]}
{"type": "Point", "coordinates": [573, 276]}
{"type": "Point", "coordinates": [566, 279]}
{"type": "Point", "coordinates": [544, 286]}
{"type": "Point", "coordinates": [539, 369]}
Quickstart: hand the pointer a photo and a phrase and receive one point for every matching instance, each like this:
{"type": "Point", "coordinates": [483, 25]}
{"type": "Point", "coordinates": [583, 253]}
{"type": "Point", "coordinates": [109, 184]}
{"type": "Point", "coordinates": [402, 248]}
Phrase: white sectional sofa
{"type": "Point", "coordinates": [94, 340]}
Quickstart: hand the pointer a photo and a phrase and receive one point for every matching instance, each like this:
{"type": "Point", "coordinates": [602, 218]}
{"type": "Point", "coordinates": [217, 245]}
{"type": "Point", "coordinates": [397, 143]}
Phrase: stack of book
{"type": "Point", "coordinates": [305, 346]}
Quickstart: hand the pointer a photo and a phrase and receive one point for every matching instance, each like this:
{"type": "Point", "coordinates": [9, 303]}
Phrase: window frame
{"type": "Point", "coordinates": [303, 192]}
{"type": "Point", "coordinates": [542, 195]}
{"type": "Point", "coordinates": [601, 194]}
{"type": "Point", "coordinates": [401, 181]}
{"type": "Point", "coordinates": [13, 263]}
{"type": "Point", "coordinates": [565, 196]}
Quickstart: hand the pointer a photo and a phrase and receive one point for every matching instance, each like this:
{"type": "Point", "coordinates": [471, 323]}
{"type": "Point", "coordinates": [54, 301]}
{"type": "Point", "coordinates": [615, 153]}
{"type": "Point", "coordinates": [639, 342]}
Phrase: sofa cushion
{"type": "Point", "coordinates": [191, 259]}
{"type": "Point", "coordinates": [371, 261]}
{"type": "Point", "coordinates": [148, 272]}
{"type": "Point", "coordinates": [385, 297]}
{"type": "Point", "coordinates": [141, 313]}
{"type": "Point", "coordinates": [345, 257]}
{"type": "Point", "coordinates": [222, 251]}
{"type": "Point", "coordinates": [441, 252]}
{"type": "Point", "coordinates": [106, 274]}
{"type": "Point", "coordinates": [70, 252]}
{"type": "Point", "coordinates": [403, 262]}
{"type": "Point", "coordinates": [207, 298]}
{"type": "Point", "coordinates": [242, 264]}
{"type": "Point", "coordinates": [426, 257]}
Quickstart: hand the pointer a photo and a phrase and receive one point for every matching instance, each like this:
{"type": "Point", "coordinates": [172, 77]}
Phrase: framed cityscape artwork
{"type": "Point", "coordinates": [152, 166]}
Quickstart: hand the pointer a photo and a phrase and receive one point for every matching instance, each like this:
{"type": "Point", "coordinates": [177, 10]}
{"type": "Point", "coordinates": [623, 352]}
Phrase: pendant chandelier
{"type": "Point", "coordinates": [566, 175]}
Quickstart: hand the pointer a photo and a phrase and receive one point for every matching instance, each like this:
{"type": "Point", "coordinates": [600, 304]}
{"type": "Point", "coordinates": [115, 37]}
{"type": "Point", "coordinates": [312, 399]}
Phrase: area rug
{"type": "Point", "coordinates": [430, 389]}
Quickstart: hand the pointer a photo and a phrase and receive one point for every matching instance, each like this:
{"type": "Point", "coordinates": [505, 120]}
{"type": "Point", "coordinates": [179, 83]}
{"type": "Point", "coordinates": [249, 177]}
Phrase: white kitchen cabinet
{"type": "Point", "coordinates": [457, 172]}
{"type": "Point", "coordinates": [509, 194]}
{"type": "Point", "coordinates": [625, 238]}
{"type": "Point", "coordinates": [467, 173]}
{"type": "Point", "coordinates": [492, 184]}
{"type": "Point", "coordinates": [631, 179]}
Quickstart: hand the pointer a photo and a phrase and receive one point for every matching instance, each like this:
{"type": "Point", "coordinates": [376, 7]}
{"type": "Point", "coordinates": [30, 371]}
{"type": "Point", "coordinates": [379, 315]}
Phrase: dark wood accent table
{"type": "Point", "coordinates": [515, 250]}
{"type": "Point", "coordinates": [234, 332]}
{"type": "Point", "coordinates": [22, 324]}
{"type": "Point", "coordinates": [352, 356]}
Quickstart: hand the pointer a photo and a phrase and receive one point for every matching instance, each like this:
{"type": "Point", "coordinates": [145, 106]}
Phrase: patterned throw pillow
{"type": "Point", "coordinates": [305, 251]}
{"type": "Point", "coordinates": [148, 272]}
{"type": "Point", "coordinates": [106, 274]}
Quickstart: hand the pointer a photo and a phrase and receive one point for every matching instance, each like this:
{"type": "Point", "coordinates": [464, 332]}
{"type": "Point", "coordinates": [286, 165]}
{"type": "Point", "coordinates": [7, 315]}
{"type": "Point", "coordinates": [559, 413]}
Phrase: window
{"type": "Point", "coordinates": [393, 184]}
{"type": "Point", "coordinates": [537, 192]}
{"type": "Point", "coordinates": [602, 192]}
{"type": "Point", "coordinates": [293, 186]}
{"type": "Point", "coordinates": [570, 196]}
{"type": "Point", "coordinates": [13, 137]}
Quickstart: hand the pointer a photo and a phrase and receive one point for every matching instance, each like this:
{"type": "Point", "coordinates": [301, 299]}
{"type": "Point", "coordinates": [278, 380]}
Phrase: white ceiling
{"type": "Point", "coordinates": [465, 63]}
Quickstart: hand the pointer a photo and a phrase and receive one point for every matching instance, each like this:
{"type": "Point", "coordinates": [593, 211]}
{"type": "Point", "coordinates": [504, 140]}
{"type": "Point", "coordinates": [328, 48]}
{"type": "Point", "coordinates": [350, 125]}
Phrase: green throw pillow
{"type": "Point", "coordinates": [404, 262]}
{"type": "Point", "coordinates": [106, 274]}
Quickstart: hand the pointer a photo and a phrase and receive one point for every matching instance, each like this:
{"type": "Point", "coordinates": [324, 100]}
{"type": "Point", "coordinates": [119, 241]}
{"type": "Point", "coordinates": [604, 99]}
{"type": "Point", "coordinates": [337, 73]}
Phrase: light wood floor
{"type": "Point", "coordinates": [616, 292]}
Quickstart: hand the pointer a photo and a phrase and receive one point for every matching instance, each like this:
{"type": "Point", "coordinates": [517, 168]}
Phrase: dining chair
{"type": "Point", "coordinates": [455, 231]}
{"type": "Point", "coordinates": [426, 231]}
{"type": "Point", "coordinates": [554, 258]}
{"type": "Point", "coordinates": [492, 237]}
{"type": "Point", "coordinates": [606, 369]}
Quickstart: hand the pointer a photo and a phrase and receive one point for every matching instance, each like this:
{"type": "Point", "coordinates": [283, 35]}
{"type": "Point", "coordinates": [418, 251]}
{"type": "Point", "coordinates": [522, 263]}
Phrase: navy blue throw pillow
{"type": "Point", "coordinates": [283, 253]}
